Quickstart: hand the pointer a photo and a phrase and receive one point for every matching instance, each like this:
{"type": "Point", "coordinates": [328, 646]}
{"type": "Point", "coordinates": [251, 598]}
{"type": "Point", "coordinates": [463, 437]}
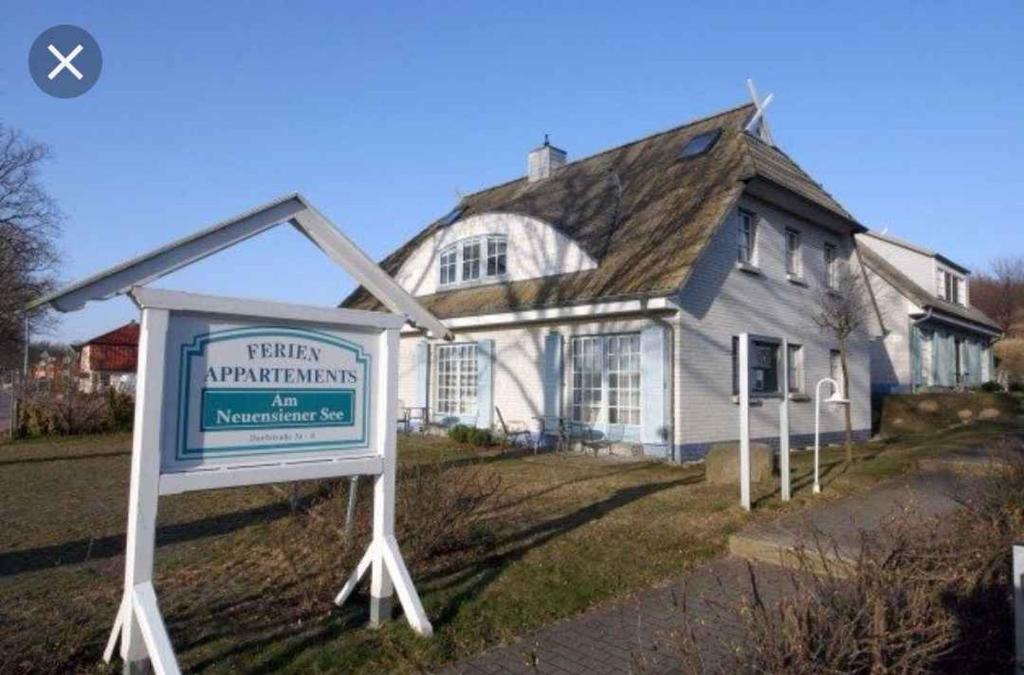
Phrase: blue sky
{"type": "Point", "coordinates": [910, 113]}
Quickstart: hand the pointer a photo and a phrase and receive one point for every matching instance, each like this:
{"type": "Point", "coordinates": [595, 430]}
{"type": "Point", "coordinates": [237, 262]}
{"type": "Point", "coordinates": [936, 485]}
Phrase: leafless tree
{"type": "Point", "coordinates": [842, 310]}
{"type": "Point", "coordinates": [29, 224]}
{"type": "Point", "coordinates": [1000, 293]}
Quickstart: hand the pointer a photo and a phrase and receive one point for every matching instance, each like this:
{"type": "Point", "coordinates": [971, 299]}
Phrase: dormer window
{"type": "Point", "coordinates": [950, 287]}
{"type": "Point", "coordinates": [471, 260]}
{"type": "Point", "coordinates": [497, 249]}
{"type": "Point", "coordinates": [449, 266]}
{"type": "Point", "coordinates": [474, 259]}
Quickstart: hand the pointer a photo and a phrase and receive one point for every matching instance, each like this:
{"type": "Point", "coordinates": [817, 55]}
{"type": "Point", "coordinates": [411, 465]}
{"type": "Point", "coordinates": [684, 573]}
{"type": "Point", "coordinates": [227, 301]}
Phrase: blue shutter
{"type": "Point", "coordinates": [552, 375]}
{"type": "Point", "coordinates": [917, 378]}
{"type": "Point", "coordinates": [485, 384]}
{"type": "Point", "coordinates": [422, 374]}
{"type": "Point", "coordinates": [653, 382]}
{"type": "Point", "coordinates": [974, 362]}
{"type": "Point", "coordinates": [945, 358]}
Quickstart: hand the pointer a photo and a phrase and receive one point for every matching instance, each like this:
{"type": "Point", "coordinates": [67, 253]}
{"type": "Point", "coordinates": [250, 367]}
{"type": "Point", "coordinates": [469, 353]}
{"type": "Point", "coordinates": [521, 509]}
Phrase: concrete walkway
{"type": "Point", "coordinates": [642, 633]}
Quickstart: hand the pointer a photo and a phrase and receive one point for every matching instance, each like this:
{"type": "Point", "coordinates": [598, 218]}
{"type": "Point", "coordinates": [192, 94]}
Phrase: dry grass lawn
{"type": "Point", "coordinates": [245, 584]}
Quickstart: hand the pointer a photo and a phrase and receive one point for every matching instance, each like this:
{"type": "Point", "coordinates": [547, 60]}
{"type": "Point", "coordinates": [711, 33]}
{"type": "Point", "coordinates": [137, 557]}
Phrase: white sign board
{"type": "Point", "coordinates": [240, 392]}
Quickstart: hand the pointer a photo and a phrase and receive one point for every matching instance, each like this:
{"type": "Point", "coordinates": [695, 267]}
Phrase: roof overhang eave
{"type": "Point", "coordinates": [810, 210]}
{"type": "Point", "coordinates": [938, 314]}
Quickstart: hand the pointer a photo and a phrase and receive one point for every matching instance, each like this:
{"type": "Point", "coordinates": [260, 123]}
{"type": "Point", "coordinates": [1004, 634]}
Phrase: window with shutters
{"type": "Point", "coordinates": [605, 379]}
{"type": "Point", "coordinates": [457, 366]}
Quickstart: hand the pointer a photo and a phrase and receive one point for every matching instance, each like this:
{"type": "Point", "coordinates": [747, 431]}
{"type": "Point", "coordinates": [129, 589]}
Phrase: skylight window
{"type": "Point", "coordinates": [698, 145]}
{"type": "Point", "coordinates": [451, 216]}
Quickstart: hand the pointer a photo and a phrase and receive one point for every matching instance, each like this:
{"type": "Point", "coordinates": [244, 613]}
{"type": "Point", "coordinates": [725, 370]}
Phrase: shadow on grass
{"type": "Point", "coordinates": [65, 458]}
{"type": "Point", "coordinates": [472, 580]}
{"type": "Point", "coordinates": [84, 550]}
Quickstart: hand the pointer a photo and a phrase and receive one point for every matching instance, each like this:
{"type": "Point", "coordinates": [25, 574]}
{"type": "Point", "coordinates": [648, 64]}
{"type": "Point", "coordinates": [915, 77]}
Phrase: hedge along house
{"type": "Point", "coordinates": [611, 290]}
{"type": "Point", "coordinates": [930, 335]}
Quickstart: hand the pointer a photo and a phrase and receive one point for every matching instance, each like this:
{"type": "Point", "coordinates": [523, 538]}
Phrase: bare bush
{"type": "Point", "coordinates": [440, 513]}
{"type": "Point", "coordinates": [926, 599]}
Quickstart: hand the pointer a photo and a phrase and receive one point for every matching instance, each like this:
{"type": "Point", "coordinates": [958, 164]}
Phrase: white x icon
{"type": "Point", "coordinates": [65, 62]}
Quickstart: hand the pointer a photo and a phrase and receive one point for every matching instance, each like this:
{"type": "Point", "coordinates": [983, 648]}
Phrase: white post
{"type": "Point", "coordinates": [1018, 605]}
{"type": "Point", "coordinates": [350, 511]}
{"type": "Point", "coordinates": [384, 485]}
{"type": "Point", "coordinates": [382, 557]}
{"type": "Point", "coordinates": [817, 433]}
{"type": "Point", "coordinates": [744, 385]}
{"type": "Point", "coordinates": [143, 496]}
{"type": "Point", "coordinates": [784, 424]}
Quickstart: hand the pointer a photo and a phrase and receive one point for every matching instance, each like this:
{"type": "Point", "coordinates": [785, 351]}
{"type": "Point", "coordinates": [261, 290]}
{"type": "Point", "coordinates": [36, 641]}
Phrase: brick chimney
{"type": "Point", "coordinates": [544, 161]}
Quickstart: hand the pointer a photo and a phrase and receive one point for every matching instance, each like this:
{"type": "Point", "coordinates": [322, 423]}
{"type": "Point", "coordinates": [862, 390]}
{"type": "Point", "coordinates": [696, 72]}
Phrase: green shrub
{"type": "Point", "coordinates": [459, 433]}
{"type": "Point", "coordinates": [480, 437]}
{"type": "Point", "coordinates": [120, 410]}
{"type": "Point", "coordinates": [991, 387]}
{"type": "Point", "coordinates": [462, 433]}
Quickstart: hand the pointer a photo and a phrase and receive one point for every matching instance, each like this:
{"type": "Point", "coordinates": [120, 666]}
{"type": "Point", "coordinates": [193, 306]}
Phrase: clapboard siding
{"type": "Point", "coordinates": [721, 301]}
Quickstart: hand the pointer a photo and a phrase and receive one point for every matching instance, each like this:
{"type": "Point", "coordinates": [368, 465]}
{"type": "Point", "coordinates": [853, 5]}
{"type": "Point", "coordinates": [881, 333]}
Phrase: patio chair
{"type": "Point", "coordinates": [597, 442]}
{"type": "Point", "coordinates": [576, 432]}
{"type": "Point", "coordinates": [404, 423]}
{"type": "Point", "coordinates": [513, 430]}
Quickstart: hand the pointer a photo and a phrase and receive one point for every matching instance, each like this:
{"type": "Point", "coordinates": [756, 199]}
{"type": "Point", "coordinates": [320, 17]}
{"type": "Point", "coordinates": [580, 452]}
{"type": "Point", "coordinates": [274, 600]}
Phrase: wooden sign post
{"type": "Point", "coordinates": [234, 392]}
{"type": "Point", "coordinates": [238, 392]}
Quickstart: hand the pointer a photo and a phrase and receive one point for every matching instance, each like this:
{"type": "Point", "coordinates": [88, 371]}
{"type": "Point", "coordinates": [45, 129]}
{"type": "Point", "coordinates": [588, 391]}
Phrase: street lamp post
{"type": "Point", "coordinates": [836, 398]}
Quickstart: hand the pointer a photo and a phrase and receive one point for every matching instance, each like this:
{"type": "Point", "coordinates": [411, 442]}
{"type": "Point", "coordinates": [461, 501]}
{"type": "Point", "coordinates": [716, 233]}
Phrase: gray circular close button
{"type": "Point", "coordinates": [65, 61]}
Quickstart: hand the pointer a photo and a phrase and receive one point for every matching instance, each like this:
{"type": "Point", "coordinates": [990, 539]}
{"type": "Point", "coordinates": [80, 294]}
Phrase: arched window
{"type": "Point", "coordinates": [474, 259]}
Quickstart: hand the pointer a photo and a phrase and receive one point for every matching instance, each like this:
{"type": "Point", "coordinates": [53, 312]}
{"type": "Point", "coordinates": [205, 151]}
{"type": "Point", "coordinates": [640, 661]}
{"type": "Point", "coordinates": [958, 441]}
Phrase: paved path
{"type": "Point", "coordinates": [641, 634]}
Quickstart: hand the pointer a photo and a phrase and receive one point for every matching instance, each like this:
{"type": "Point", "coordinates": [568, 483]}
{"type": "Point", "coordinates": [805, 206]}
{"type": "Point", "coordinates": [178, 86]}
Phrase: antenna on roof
{"type": "Point", "coordinates": [758, 125]}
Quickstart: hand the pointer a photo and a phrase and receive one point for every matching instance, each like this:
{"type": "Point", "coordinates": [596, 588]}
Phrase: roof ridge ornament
{"type": "Point", "coordinates": [758, 125]}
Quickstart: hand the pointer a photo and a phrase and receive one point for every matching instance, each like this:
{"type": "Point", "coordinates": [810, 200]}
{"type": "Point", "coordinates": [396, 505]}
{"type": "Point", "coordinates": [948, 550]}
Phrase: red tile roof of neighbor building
{"type": "Point", "coordinates": [117, 350]}
{"type": "Point", "coordinates": [127, 335]}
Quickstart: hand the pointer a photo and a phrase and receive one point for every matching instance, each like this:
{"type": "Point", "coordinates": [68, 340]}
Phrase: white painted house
{"type": "Point", "coordinates": [611, 290]}
{"type": "Point", "coordinates": [931, 336]}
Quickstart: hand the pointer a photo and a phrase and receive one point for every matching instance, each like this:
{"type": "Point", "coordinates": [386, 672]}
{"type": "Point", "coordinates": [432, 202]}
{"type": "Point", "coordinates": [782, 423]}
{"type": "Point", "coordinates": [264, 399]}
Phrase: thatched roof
{"type": "Point", "coordinates": [918, 295]}
{"type": "Point", "coordinates": [645, 237]}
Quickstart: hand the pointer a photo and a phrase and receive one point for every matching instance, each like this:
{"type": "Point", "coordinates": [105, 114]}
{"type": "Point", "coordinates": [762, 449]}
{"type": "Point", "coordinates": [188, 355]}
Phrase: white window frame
{"type": "Point", "coordinates": [835, 369]}
{"type": "Point", "coordinates": [794, 254]}
{"type": "Point", "coordinates": [497, 251]}
{"type": "Point", "coordinates": [831, 256]}
{"type": "Point", "coordinates": [746, 250]}
{"type": "Point", "coordinates": [614, 394]}
{"type": "Point", "coordinates": [457, 379]}
{"type": "Point", "coordinates": [795, 361]}
{"type": "Point", "coordinates": [449, 266]}
{"type": "Point", "coordinates": [471, 269]}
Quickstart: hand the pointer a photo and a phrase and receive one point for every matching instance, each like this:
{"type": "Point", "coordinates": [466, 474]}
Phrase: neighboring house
{"type": "Point", "coordinates": [50, 367]}
{"type": "Point", "coordinates": [611, 290]}
{"type": "Point", "coordinates": [931, 337]}
{"type": "Point", "coordinates": [109, 360]}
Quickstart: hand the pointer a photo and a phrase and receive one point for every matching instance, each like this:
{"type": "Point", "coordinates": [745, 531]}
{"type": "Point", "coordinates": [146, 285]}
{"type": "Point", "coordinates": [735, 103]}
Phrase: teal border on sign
{"type": "Point", "coordinates": [243, 427]}
{"type": "Point", "coordinates": [197, 347]}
